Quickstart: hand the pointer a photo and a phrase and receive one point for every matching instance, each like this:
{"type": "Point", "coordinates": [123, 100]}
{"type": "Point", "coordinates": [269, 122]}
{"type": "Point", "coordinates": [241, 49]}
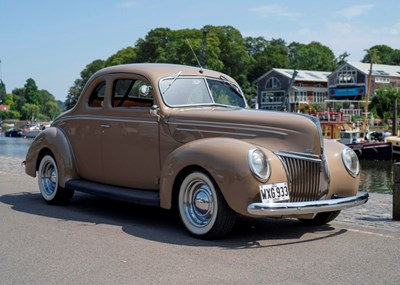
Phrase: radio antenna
{"type": "Point", "coordinates": [195, 56]}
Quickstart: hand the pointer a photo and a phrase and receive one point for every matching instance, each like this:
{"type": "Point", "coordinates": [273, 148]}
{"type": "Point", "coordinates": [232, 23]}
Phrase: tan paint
{"type": "Point", "coordinates": [138, 150]}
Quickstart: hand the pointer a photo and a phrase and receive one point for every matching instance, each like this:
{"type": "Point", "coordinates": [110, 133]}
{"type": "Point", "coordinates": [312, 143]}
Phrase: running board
{"type": "Point", "coordinates": [137, 196]}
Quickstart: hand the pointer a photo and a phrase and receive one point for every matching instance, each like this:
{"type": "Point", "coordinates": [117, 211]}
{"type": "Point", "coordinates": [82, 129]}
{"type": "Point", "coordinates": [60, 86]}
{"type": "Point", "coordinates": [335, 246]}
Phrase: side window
{"type": "Point", "coordinates": [131, 93]}
{"type": "Point", "coordinates": [97, 97]}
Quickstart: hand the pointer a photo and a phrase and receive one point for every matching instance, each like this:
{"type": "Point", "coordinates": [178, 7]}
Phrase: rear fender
{"type": "Point", "coordinates": [52, 140]}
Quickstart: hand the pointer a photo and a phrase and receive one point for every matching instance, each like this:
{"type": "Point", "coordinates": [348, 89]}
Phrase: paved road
{"type": "Point", "coordinates": [96, 241]}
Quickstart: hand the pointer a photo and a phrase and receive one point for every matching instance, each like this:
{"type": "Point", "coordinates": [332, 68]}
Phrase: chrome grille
{"type": "Point", "coordinates": [304, 174]}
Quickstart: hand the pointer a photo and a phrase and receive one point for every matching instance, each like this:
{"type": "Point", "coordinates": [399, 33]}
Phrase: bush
{"type": "Point", "coordinates": [7, 115]}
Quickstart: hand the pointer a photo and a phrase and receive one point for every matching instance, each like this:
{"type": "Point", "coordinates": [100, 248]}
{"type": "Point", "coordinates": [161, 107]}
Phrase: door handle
{"type": "Point", "coordinates": [104, 126]}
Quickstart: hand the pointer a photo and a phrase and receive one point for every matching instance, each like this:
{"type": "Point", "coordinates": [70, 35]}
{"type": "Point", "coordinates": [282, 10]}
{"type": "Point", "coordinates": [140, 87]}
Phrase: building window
{"type": "Point", "coordinates": [320, 97]}
{"type": "Point", "coordinates": [382, 80]}
{"type": "Point", "coordinates": [300, 96]}
{"type": "Point", "coordinates": [273, 83]}
{"type": "Point", "coordinates": [346, 78]}
{"type": "Point", "coordinates": [272, 97]}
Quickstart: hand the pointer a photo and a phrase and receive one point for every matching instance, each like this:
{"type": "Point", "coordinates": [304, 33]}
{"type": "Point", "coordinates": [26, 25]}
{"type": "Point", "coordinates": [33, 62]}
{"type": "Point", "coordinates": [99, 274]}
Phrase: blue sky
{"type": "Point", "coordinates": [52, 41]}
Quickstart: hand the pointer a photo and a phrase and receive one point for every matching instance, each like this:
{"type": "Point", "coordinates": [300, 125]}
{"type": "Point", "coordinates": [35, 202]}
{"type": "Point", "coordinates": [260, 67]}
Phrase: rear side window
{"type": "Point", "coordinates": [127, 93]}
{"type": "Point", "coordinates": [97, 97]}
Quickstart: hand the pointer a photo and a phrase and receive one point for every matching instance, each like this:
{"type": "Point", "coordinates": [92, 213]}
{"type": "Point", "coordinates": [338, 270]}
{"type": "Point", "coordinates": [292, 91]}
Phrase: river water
{"type": "Point", "coordinates": [376, 176]}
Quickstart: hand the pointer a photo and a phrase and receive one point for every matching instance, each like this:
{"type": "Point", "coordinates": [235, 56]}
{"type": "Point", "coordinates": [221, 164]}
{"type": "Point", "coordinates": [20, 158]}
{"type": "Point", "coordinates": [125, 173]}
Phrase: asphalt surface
{"type": "Point", "coordinates": [98, 241]}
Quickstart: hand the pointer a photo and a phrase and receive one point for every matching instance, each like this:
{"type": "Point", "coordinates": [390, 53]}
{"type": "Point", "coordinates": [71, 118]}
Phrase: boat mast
{"type": "Point", "coordinates": [367, 95]}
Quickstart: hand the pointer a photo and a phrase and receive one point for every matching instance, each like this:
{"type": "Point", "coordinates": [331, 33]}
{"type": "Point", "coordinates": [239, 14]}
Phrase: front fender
{"type": "Point", "coordinates": [342, 183]}
{"type": "Point", "coordinates": [53, 140]}
{"type": "Point", "coordinates": [226, 160]}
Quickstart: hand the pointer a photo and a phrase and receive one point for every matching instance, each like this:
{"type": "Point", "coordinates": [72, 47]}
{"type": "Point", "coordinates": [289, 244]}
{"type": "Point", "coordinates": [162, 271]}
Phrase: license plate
{"type": "Point", "coordinates": [274, 192]}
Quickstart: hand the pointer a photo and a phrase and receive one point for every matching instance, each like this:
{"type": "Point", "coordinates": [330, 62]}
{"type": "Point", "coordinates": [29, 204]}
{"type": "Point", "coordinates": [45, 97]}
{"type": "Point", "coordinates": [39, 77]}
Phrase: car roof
{"type": "Point", "coordinates": [155, 71]}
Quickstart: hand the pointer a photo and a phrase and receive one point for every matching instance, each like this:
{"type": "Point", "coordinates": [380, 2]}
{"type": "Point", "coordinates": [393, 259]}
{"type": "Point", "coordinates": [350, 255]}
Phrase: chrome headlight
{"type": "Point", "coordinates": [259, 164]}
{"type": "Point", "coordinates": [350, 161]}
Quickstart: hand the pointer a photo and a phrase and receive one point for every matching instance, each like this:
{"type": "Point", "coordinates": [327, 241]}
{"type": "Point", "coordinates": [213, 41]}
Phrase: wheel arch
{"type": "Point", "coordinates": [225, 160]}
{"type": "Point", "coordinates": [52, 140]}
{"type": "Point", "coordinates": [179, 179]}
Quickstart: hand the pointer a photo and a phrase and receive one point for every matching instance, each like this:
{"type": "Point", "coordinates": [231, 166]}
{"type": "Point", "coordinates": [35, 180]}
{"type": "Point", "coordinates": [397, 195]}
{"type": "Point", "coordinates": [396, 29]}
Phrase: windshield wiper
{"type": "Point", "coordinates": [173, 80]}
{"type": "Point", "coordinates": [231, 85]}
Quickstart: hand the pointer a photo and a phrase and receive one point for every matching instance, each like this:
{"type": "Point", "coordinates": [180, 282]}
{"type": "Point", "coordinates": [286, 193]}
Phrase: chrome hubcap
{"type": "Point", "coordinates": [49, 178]}
{"type": "Point", "coordinates": [198, 203]}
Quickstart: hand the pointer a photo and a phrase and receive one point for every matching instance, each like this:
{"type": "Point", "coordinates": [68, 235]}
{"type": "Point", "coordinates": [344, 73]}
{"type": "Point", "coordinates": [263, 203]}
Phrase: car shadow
{"type": "Point", "coordinates": [164, 226]}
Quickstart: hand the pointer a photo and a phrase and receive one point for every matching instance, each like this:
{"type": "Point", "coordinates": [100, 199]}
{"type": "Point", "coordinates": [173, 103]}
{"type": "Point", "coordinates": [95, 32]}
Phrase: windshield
{"type": "Point", "coordinates": [192, 91]}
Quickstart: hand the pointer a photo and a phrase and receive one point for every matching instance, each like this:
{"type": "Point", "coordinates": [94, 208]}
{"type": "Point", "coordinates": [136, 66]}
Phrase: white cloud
{"type": "Point", "coordinates": [340, 29]}
{"type": "Point", "coordinates": [389, 31]}
{"type": "Point", "coordinates": [355, 11]}
{"type": "Point", "coordinates": [127, 4]}
{"type": "Point", "coordinates": [269, 11]}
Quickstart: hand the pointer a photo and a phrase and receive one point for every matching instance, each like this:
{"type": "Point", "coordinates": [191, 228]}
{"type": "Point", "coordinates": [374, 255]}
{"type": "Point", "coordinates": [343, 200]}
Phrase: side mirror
{"type": "Point", "coordinates": [144, 90]}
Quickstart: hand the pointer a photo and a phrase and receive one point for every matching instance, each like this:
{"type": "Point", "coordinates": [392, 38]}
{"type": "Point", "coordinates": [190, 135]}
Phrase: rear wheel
{"type": "Point", "coordinates": [51, 191]}
{"type": "Point", "coordinates": [203, 209]}
{"type": "Point", "coordinates": [321, 218]}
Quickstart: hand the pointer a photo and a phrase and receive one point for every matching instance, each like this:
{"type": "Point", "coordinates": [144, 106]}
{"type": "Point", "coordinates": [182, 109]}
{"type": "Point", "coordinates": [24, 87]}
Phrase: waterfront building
{"type": "Point", "coordinates": [343, 90]}
{"type": "Point", "coordinates": [349, 83]}
{"type": "Point", "coordinates": [285, 89]}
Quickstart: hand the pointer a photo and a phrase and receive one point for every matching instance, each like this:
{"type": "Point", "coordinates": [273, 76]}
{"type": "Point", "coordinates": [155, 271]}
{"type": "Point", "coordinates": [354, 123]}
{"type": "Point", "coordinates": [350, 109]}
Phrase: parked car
{"type": "Point", "coordinates": [182, 137]}
{"type": "Point", "coordinates": [14, 132]}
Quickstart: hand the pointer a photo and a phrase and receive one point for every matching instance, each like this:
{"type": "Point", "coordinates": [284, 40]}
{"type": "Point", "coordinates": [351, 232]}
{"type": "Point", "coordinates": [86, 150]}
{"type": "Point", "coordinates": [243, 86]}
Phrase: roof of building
{"type": "Point", "coordinates": [377, 69]}
{"type": "Point", "coordinates": [305, 75]}
{"type": "Point", "coordinates": [302, 75]}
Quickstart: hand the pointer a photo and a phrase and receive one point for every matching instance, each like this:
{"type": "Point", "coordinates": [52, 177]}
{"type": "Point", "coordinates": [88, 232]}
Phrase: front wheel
{"type": "Point", "coordinates": [51, 191]}
{"type": "Point", "coordinates": [203, 209]}
{"type": "Point", "coordinates": [321, 218]}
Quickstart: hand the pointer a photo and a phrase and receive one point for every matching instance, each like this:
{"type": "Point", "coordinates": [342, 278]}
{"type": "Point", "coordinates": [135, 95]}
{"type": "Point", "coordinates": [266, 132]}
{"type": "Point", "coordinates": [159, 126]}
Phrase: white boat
{"type": "Point", "coordinates": [32, 131]}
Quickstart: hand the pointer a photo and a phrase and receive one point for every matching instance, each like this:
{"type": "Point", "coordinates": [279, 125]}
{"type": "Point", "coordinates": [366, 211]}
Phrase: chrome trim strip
{"type": "Point", "coordinates": [298, 208]}
{"type": "Point", "coordinates": [216, 132]}
{"type": "Point", "coordinates": [316, 121]}
{"type": "Point", "coordinates": [227, 125]}
{"type": "Point", "coordinates": [299, 155]}
{"type": "Point", "coordinates": [108, 119]}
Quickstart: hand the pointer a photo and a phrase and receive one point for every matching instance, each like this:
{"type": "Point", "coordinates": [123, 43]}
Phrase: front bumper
{"type": "Point", "coordinates": [310, 207]}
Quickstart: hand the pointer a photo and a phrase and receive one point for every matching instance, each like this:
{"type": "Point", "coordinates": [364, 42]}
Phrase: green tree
{"type": "Point", "coordinates": [163, 45]}
{"type": "Point", "coordinates": [19, 99]}
{"type": "Point", "coordinates": [123, 56]}
{"type": "Point", "coordinates": [75, 91]}
{"type": "Point", "coordinates": [3, 92]}
{"type": "Point", "coordinates": [30, 111]}
{"type": "Point", "coordinates": [385, 104]}
{"type": "Point", "coordinates": [5, 115]}
{"type": "Point", "coordinates": [234, 56]}
{"type": "Point", "coordinates": [31, 91]}
{"type": "Point", "coordinates": [9, 100]}
{"type": "Point", "coordinates": [153, 47]}
{"type": "Point", "coordinates": [31, 102]}
{"type": "Point", "coordinates": [395, 57]}
{"type": "Point", "coordinates": [382, 54]}
{"type": "Point", "coordinates": [49, 108]}
{"type": "Point", "coordinates": [52, 109]}
{"type": "Point", "coordinates": [313, 56]}
{"type": "Point", "coordinates": [266, 55]}
{"type": "Point", "coordinates": [342, 59]}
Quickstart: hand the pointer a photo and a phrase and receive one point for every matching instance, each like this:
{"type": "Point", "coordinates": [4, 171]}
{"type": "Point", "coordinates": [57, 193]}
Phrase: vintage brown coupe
{"type": "Point", "coordinates": [178, 136]}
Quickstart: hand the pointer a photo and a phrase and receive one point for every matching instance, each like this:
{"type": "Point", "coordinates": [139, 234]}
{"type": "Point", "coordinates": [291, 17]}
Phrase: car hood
{"type": "Point", "coordinates": [277, 131]}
